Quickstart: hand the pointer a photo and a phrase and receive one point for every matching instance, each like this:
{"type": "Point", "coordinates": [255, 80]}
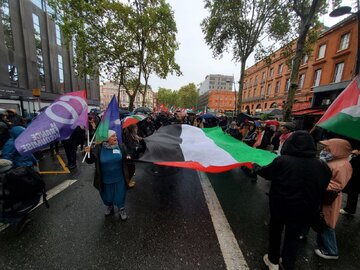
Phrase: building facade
{"type": "Point", "coordinates": [109, 89]}
{"type": "Point", "coordinates": [322, 75]}
{"type": "Point", "coordinates": [216, 95]}
{"type": "Point", "coordinates": [220, 101]}
{"type": "Point", "coordinates": [216, 82]}
{"type": "Point", "coordinates": [33, 56]}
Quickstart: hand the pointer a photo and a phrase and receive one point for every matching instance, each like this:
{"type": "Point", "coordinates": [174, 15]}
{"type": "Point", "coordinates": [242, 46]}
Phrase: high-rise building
{"type": "Point", "coordinates": [33, 56]}
{"type": "Point", "coordinates": [216, 82]}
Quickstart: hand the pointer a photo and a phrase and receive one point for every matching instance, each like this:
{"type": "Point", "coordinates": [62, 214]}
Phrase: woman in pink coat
{"type": "Point", "coordinates": [336, 153]}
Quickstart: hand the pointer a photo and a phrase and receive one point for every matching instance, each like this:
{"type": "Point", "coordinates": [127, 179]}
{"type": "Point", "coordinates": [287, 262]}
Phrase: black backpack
{"type": "Point", "coordinates": [23, 184]}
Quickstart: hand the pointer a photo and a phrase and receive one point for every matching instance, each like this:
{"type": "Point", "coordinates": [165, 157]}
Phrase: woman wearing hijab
{"type": "Point", "coordinates": [111, 173]}
{"type": "Point", "coordinates": [336, 153]}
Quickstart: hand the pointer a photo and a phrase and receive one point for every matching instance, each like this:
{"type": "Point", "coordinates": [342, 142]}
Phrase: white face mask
{"type": "Point", "coordinates": [326, 156]}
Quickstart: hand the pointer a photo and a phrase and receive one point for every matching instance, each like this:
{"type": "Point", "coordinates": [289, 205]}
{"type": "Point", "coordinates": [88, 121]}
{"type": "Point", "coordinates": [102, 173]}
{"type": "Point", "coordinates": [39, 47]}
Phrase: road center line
{"type": "Point", "coordinates": [233, 257]}
{"type": "Point", "coordinates": [50, 193]}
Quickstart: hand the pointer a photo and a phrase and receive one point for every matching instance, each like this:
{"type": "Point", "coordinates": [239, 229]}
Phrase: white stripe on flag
{"type": "Point", "coordinates": [353, 111]}
{"type": "Point", "coordinates": [197, 146]}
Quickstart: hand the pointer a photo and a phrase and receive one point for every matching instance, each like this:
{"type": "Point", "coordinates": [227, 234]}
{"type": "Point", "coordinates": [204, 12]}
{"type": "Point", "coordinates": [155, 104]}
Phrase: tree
{"type": "Point", "coordinates": [159, 34]}
{"type": "Point", "coordinates": [239, 25]}
{"type": "Point", "coordinates": [188, 96]}
{"type": "Point", "coordinates": [167, 97]}
{"type": "Point", "coordinates": [114, 37]}
{"type": "Point", "coordinates": [306, 14]}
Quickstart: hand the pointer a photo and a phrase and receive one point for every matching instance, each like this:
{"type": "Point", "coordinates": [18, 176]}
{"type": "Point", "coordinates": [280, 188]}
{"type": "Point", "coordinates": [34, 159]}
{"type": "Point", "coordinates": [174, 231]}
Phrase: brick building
{"type": "Point", "coordinates": [322, 75]}
{"type": "Point", "coordinates": [221, 101]}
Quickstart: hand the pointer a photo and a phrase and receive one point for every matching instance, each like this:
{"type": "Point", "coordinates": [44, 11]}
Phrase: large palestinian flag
{"type": "Point", "coordinates": [343, 115]}
{"type": "Point", "coordinates": [208, 149]}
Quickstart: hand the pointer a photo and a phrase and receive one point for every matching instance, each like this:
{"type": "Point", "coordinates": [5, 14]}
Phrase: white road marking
{"type": "Point", "coordinates": [233, 257]}
{"type": "Point", "coordinates": [50, 193]}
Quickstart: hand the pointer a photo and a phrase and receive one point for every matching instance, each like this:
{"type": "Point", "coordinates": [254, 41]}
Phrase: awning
{"type": "Point", "coordinates": [331, 87]}
{"type": "Point", "coordinates": [310, 111]}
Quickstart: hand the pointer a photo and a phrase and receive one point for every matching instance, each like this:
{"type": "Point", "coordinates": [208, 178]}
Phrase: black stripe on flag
{"type": "Point", "coordinates": [164, 145]}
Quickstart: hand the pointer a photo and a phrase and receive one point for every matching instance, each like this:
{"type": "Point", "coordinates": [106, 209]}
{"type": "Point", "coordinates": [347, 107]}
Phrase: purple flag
{"type": "Point", "coordinates": [56, 123]}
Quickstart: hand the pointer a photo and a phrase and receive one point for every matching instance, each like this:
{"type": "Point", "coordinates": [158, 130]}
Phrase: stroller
{"type": "Point", "coordinates": [21, 189]}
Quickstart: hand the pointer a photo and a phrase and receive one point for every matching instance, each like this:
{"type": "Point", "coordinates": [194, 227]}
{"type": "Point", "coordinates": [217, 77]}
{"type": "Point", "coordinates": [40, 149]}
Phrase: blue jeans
{"type": "Point", "coordinates": [327, 241]}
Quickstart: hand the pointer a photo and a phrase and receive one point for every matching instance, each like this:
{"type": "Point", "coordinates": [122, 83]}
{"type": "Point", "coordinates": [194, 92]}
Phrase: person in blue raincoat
{"type": "Point", "coordinates": [9, 151]}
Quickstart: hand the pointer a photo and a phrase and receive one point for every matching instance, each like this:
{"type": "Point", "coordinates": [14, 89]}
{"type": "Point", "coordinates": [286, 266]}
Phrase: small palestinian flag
{"type": "Point", "coordinates": [208, 149]}
{"type": "Point", "coordinates": [343, 115]}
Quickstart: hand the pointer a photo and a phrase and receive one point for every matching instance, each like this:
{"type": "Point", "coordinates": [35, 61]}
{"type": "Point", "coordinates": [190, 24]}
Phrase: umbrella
{"type": "Point", "coordinates": [132, 119]}
{"type": "Point", "coordinates": [189, 111]}
{"type": "Point", "coordinates": [142, 110]}
{"type": "Point", "coordinates": [272, 123]}
{"type": "Point", "coordinates": [207, 116]}
{"type": "Point", "coordinates": [124, 113]}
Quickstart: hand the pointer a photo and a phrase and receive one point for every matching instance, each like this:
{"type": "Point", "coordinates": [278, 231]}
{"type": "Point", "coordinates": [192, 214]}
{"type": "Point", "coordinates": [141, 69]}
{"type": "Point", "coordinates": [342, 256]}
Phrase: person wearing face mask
{"type": "Point", "coordinates": [336, 153]}
{"type": "Point", "coordinates": [111, 173]}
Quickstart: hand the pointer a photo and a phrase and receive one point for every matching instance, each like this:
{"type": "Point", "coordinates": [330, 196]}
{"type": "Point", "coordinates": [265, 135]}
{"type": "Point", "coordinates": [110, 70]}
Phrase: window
{"type": "Point", "coordinates": [13, 75]}
{"type": "Point", "coordinates": [250, 83]}
{"type": "Point", "coordinates": [38, 3]}
{"type": "Point", "coordinates": [301, 81]}
{"type": "Point", "coordinates": [287, 86]}
{"type": "Point", "coordinates": [58, 35]}
{"type": "Point", "coordinates": [265, 106]}
{"type": "Point", "coordinates": [61, 68]}
{"type": "Point", "coordinates": [280, 69]}
{"type": "Point", "coordinates": [277, 87]}
{"type": "Point", "coordinates": [256, 81]}
{"type": "Point", "coordinates": [271, 73]}
{"type": "Point", "coordinates": [263, 77]}
{"type": "Point", "coordinates": [338, 72]}
{"type": "Point", "coordinates": [268, 91]}
{"type": "Point", "coordinates": [6, 22]}
{"type": "Point", "coordinates": [39, 51]}
{"type": "Point", "coordinates": [305, 59]}
{"type": "Point", "coordinates": [322, 50]}
{"type": "Point", "coordinates": [261, 90]}
{"type": "Point", "coordinates": [317, 77]}
{"type": "Point", "coordinates": [344, 42]}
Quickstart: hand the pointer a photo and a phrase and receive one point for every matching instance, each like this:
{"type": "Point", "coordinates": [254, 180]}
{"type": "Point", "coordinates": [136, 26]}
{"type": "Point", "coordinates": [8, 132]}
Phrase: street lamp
{"type": "Point", "coordinates": [340, 11]}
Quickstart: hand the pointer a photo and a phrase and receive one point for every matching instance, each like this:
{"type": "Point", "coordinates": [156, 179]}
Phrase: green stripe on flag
{"type": "Point", "coordinates": [237, 149]}
{"type": "Point", "coordinates": [102, 131]}
{"type": "Point", "coordinates": [343, 124]}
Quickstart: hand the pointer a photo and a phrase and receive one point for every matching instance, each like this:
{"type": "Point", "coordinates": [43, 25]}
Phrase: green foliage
{"type": "Point", "coordinates": [239, 26]}
{"type": "Point", "coordinates": [188, 96]}
{"type": "Point", "coordinates": [167, 97]}
{"type": "Point", "coordinates": [112, 35]}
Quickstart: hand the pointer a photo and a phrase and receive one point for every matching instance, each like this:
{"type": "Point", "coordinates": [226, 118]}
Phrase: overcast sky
{"type": "Point", "coordinates": [194, 56]}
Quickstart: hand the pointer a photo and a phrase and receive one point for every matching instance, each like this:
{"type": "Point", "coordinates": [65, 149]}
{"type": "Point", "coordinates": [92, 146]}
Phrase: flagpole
{"type": "Point", "coordinates": [89, 144]}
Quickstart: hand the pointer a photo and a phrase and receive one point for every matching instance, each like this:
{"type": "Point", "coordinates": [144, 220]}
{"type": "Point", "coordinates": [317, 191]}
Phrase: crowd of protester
{"type": "Point", "coordinates": [306, 184]}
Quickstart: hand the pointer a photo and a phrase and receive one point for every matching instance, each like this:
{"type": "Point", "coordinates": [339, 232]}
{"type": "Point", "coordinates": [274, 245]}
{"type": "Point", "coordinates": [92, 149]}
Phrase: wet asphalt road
{"type": "Point", "coordinates": [245, 205]}
{"type": "Point", "coordinates": [169, 226]}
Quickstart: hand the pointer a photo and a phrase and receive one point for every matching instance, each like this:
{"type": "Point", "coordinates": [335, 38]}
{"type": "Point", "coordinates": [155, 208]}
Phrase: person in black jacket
{"type": "Point", "coordinates": [298, 180]}
{"type": "Point", "coordinates": [353, 186]}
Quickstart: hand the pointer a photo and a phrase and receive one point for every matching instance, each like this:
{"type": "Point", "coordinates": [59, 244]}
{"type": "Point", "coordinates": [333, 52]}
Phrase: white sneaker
{"type": "Point", "coordinates": [109, 210]}
{"type": "Point", "coordinates": [269, 264]}
{"type": "Point", "coordinates": [123, 214]}
{"type": "Point", "coordinates": [323, 255]}
{"type": "Point", "coordinates": [343, 212]}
